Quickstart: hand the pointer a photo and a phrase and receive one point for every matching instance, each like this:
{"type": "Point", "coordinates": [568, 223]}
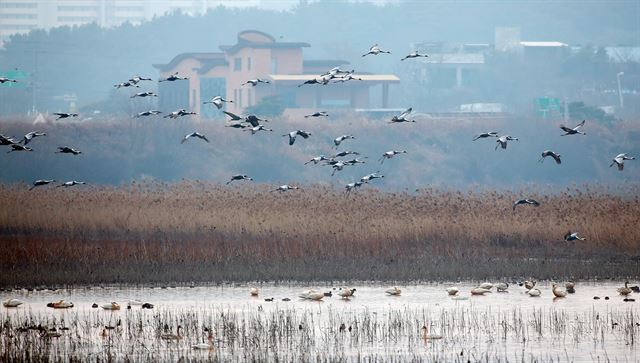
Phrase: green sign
{"type": "Point", "coordinates": [546, 106]}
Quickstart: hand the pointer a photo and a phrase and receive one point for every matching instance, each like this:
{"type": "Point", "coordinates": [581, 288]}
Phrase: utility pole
{"type": "Point", "coordinates": [620, 74]}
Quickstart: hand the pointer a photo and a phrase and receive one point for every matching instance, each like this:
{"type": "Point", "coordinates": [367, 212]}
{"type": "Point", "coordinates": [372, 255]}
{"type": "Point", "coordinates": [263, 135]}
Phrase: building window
{"type": "Point", "coordinates": [15, 5]}
{"type": "Point", "coordinates": [274, 66]}
{"type": "Point", "coordinates": [18, 16]}
{"type": "Point", "coordinates": [237, 64]}
{"type": "Point", "coordinates": [249, 63]}
{"type": "Point", "coordinates": [77, 8]}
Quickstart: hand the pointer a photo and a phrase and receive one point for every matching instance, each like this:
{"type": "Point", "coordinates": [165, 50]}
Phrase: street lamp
{"type": "Point", "coordinates": [620, 89]}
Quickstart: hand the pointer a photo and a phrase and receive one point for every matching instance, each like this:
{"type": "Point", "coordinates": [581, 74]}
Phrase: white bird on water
{"type": "Point", "coordinates": [12, 303]}
{"type": "Point", "coordinates": [557, 292]}
{"type": "Point", "coordinates": [394, 291]}
{"type": "Point", "coordinates": [452, 291]}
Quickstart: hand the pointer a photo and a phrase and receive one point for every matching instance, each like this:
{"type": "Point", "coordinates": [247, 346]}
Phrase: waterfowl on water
{"type": "Point", "coordinates": [479, 291]}
{"type": "Point", "coordinates": [12, 303]}
{"type": "Point", "coordinates": [60, 304]}
{"type": "Point", "coordinates": [171, 336]}
{"type": "Point", "coordinates": [254, 291]}
{"type": "Point", "coordinates": [346, 292]}
{"type": "Point", "coordinates": [534, 292]}
{"type": "Point", "coordinates": [134, 302]}
{"type": "Point", "coordinates": [425, 334]}
{"type": "Point", "coordinates": [202, 346]}
{"type": "Point", "coordinates": [557, 292]}
{"type": "Point", "coordinates": [486, 285]}
{"type": "Point", "coordinates": [111, 306]}
{"type": "Point", "coordinates": [625, 290]}
{"type": "Point", "coordinates": [502, 287]}
{"type": "Point", "coordinates": [570, 286]}
{"type": "Point", "coordinates": [452, 290]}
{"type": "Point", "coordinates": [394, 291]}
{"type": "Point", "coordinates": [529, 284]}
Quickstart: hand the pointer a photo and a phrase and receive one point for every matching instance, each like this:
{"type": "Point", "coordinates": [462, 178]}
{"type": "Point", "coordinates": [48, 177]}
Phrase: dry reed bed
{"type": "Point", "coordinates": [195, 231]}
{"type": "Point", "coordinates": [313, 334]}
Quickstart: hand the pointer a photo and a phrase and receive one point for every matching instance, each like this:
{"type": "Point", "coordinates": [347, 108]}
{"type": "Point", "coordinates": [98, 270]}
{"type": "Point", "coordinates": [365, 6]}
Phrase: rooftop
{"type": "Point", "coordinates": [543, 44]}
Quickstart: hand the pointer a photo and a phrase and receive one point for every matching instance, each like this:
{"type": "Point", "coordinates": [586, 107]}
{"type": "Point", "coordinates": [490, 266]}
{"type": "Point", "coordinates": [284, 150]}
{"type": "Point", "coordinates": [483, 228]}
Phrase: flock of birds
{"type": "Point", "coordinates": [344, 292]}
{"type": "Point", "coordinates": [255, 124]}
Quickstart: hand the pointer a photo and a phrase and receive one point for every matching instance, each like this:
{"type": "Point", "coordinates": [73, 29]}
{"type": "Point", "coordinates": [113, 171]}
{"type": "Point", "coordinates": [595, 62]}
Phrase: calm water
{"type": "Point", "coordinates": [508, 326]}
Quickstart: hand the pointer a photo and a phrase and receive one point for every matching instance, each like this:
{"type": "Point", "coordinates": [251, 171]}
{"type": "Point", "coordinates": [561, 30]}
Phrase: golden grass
{"type": "Point", "coordinates": [196, 231]}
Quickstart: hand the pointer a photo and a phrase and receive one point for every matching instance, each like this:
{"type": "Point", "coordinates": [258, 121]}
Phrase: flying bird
{"type": "Point", "coordinates": [4, 80]}
{"type": "Point", "coordinates": [64, 115]}
{"type": "Point", "coordinates": [31, 135]}
{"type": "Point", "coordinates": [174, 77]}
{"type": "Point", "coordinates": [345, 153]}
{"type": "Point", "coordinates": [318, 114]}
{"type": "Point", "coordinates": [254, 82]}
{"type": "Point", "coordinates": [194, 134]}
{"type": "Point", "coordinates": [619, 160]}
{"type": "Point", "coordinates": [144, 94]}
{"type": "Point", "coordinates": [71, 183]}
{"type": "Point", "coordinates": [375, 50]}
{"type": "Point", "coordinates": [532, 202]}
{"type": "Point", "coordinates": [352, 186]}
{"type": "Point", "coordinates": [554, 155]}
{"type": "Point", "coordinates": [6, 140]}
{"type": "Point", "coordinates": [137, 79]}
{"type": "Point", "coordinates": [502, 141]}
{"type": "Point", "coordinates": [257, 128]}
{"type": "Point", "coordinates": [217, 101]}
{"type": "Point", "coordinates": [41, 182]}
{"type": "Point", "coordinates": [180, 112]}
{"type": "Point", "coordinates": [402, 117]}
{"type": "Point", "coordinates": [147, 113]}
{"type": "Point", "coordinates": [485, 135]}
{"type": "Point", "coordinates": [347, 77]}
{"type": "Point", "coordinates": [292, 135]}
{"type": "Point", "coordinates": [18, 147]}
{"type": "Point", "coordinates": [369, 177]}
{"type": "Point", "coordinates": [238, 177]}
{"type": "Point", "coordinates": [125, 84]}
{"type": "Point", "coordinates": [573, 236]}
{"type": "Point", "coordinates": [67, 150]}
{"type": "Point", "coordinates": [391, 153]}
{"type": "Point", "coordinates": [236, 125]}
{"type": "Point", "coordinates": [414, 55]}
{"type": "Point", "coordinates": [285, 187]}
{"type": "Point", "coordinates": [316, 160]}
{"type": "Point", "coordinates": [340, 139]}
{"type": "Point", "coordinates": [573, 131]}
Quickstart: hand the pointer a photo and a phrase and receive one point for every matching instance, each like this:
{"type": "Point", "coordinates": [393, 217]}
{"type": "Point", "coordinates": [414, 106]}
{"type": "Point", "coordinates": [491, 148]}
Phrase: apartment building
{"type": "Point", "coordinates": [22, 16]}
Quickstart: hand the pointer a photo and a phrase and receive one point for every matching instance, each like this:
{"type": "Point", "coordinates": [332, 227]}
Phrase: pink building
{"type": "Point", "coordinates": [259, 55]}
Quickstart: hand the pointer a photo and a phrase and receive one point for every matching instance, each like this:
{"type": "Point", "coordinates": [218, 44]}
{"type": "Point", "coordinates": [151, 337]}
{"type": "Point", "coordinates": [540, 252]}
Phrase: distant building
{"type": "Point", "coordinates": [22, 16]}
{"type": "Point", "coordinates": [259, 55]}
